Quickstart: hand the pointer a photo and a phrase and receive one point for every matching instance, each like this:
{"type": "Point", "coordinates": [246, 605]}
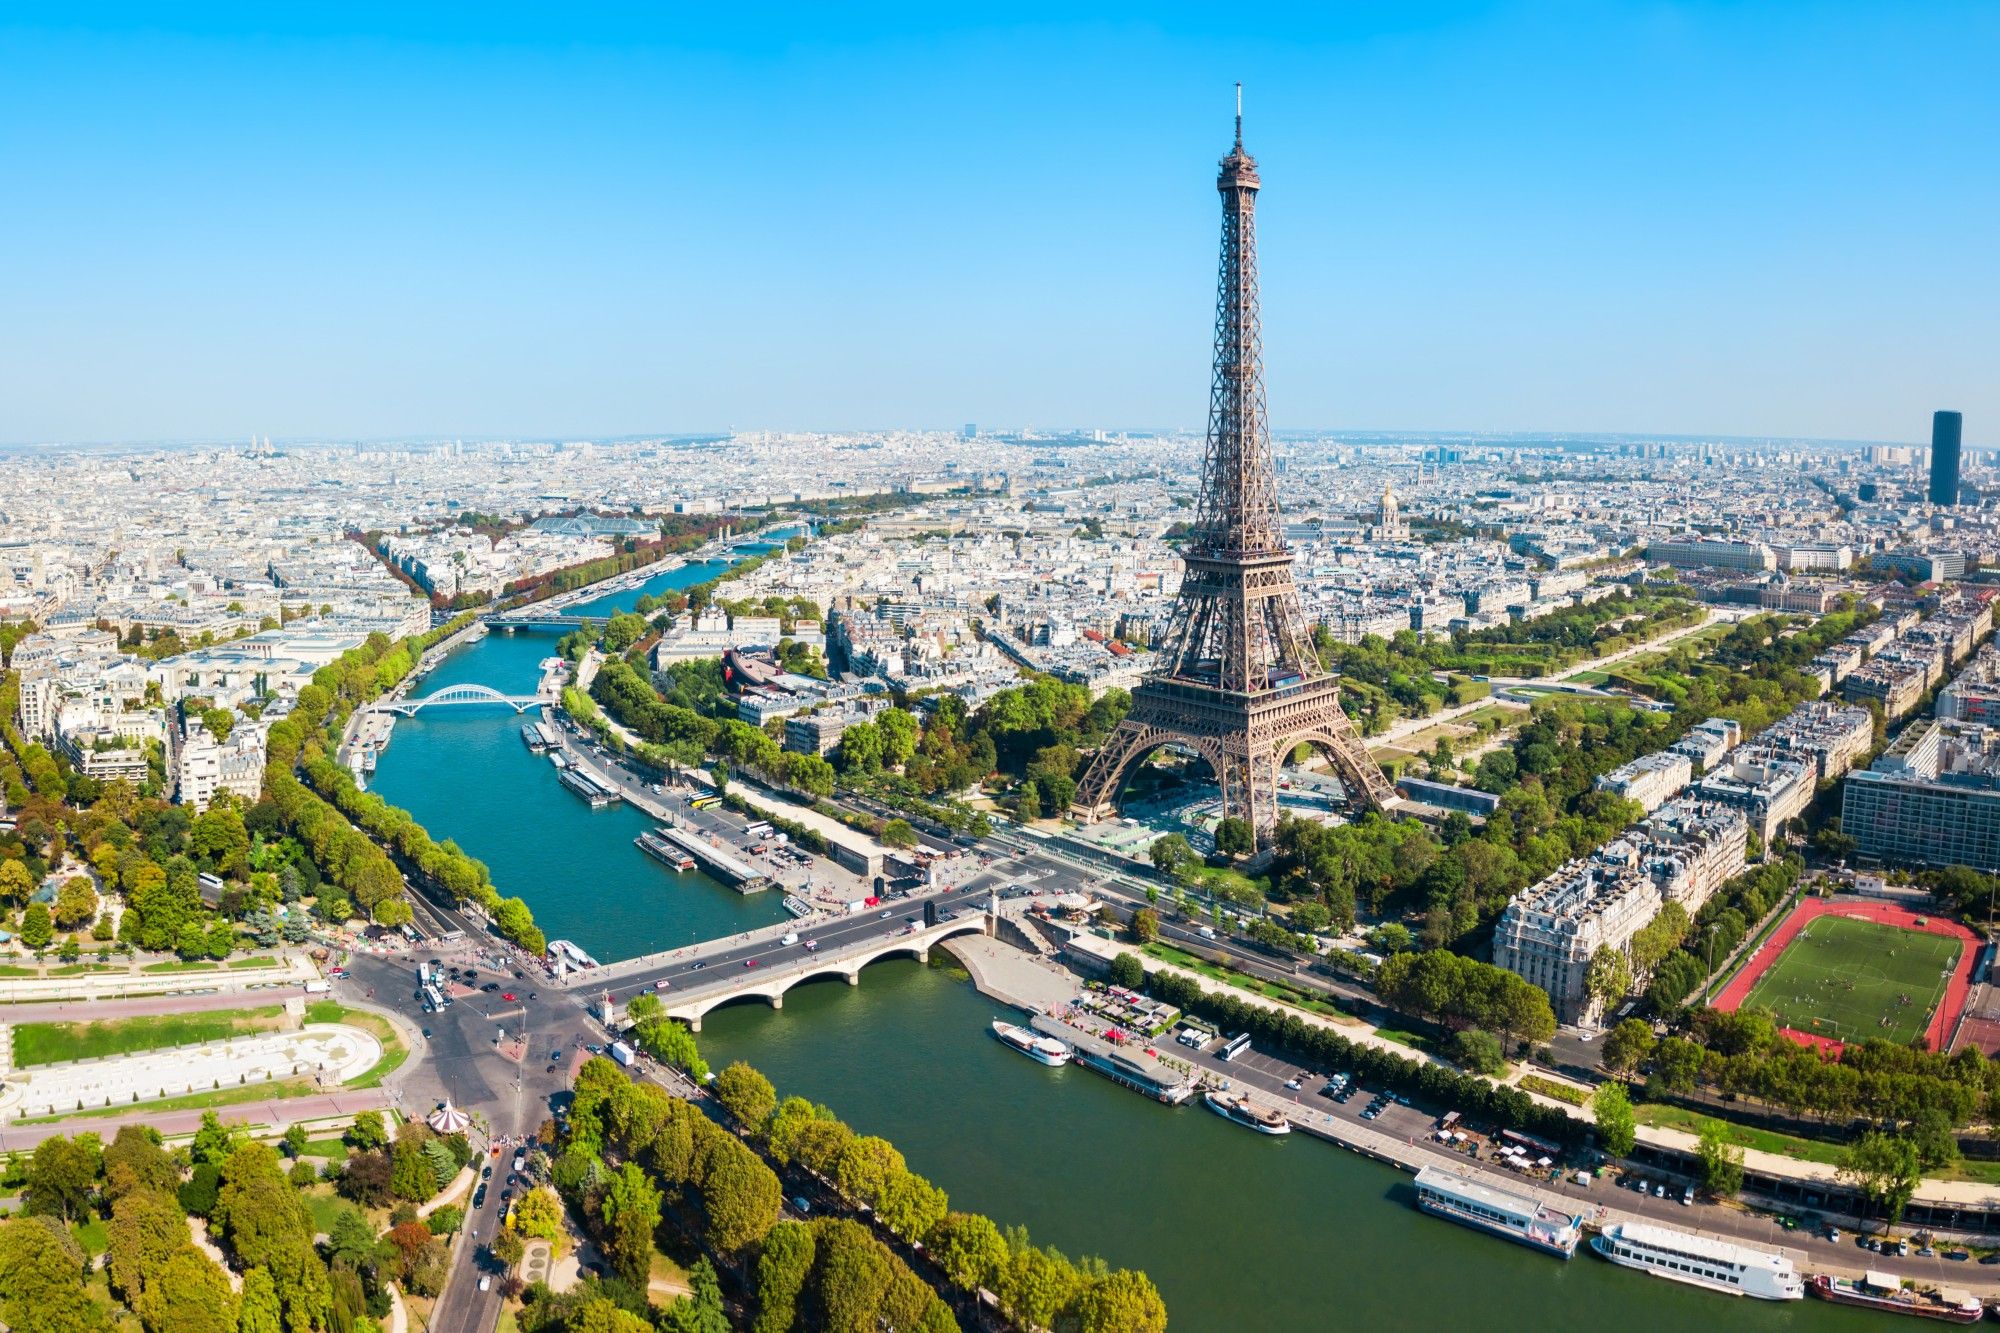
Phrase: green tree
{"type": "Point", "coordinates": [410, 1174]}
{"type": "Point", "coordinates": [1627, 1046]}
{"type": "Point", "coordinates": [630, 1206]}
{"type": "Point", "coordinates": [1885, 1168]}
{"type": "Point", "coordinates": [701, 1310]}
{"type": "Point", "coordinates": [367, 1132]}
{"type": "Point", "coordinates": [41, 1279]}
{"type": "Point", "coordinates": [215, 1141]}
{"type": "Point", "coordinates": [15, 881]}
{"type": "Point", "coordinates": [76, 903]}
{"type": "Point", "coordinates": [147, 1226]}
{"type": "Point", "coordinates": [62, 1176]}
{"type": "Point", "coordinates": [969, 1249]}
{"type": "Point", "coordinates": [1146, 923]}
{"type": "Point", "coordinates": [783, 1265]}
{"type": "Point", "coordinates": [910, 1205]}
{"type": "Point", "coordinates": [1123, 1301]}
{"type": "Point", "coordinates": [190, 1295]}
{"type": "Point", "coordinates": [1720, 1160]}
{"type": "Point", "coordinates": [1235, 837]}
{"type": "Point", "coordinates": [1937, 1144]}
{"type": "Point", "coordinates": [746, 1094]}
{"type": "Point", "coordinates": [1128, 971]}
{"type": "Point", "coordinates": [37, 926]}
{"type": "Point", "coordinates": [295, 1140]}
{"type": "Point", "coordinates": [1609, 977]}
{"type": "Point", "coordinates": [259, 1311]}
{"type": "Point", "coordinates": [741, 1196]}
{"type": "Point", "coordinates": [1479, 1051]}
{"type": "Point", "coordinates": [538, 1213]}
{"type": "Point", "coordinates": [135, 1160]}
{"type": "Point", "coordinates": [1171, 854]}
{"type": "Point", "coordinates": [1617, 1127]}
{"type": "Point", "coordinates": [898, 833]}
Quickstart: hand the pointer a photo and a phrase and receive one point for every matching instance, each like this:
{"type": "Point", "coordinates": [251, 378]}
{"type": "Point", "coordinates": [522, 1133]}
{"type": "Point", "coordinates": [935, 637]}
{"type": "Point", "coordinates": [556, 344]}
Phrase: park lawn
{"type": "Point", "coordinates": [1416, 1041]}
{"type": "Point", "coordinates": [1743, 1136]}
{"type": "Point", "coordinates": [1852, 980]}
{"type": "Point", "coordinates": [1221, 880]}
{"type": "Point", "coordinates": [393, 1050]}
{"type": "Point", "coordinates": [277, 1090]}
{"type": "Point", "coordinates": [333, 1149]}
{"type": "Point", "coordinates": [94, 1235]}
{"type": "Point", "coordinates": [15, 970]}
{"type": "Point", "coordinates": [82, 969]}
{"type": "Point", "coordinates": [46, 1043]}
{"type": "Point", "coordinates": [180, 965]}
{"type": "Point", "coordinates": [1548, 1087]}
{"type": "Point", "coordinates": [1273, 990]}
{"type": "Point", "coordinates": [326, 1207]}
{"type": "Point", "coordinates": [259, 960]}
{"type": "Point", "coordinates": [1791, 1145]}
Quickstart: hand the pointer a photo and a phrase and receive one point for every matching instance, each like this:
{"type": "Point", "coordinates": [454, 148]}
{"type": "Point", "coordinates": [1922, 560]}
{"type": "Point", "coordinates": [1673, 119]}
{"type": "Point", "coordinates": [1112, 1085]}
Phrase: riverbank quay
{"type": "Point", "coordinates": [1965, 1210]}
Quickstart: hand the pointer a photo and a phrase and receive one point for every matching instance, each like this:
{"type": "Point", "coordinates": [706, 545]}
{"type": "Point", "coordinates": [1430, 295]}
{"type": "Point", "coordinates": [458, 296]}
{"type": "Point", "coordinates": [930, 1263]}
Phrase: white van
{"type": "Point", "coordinates": [1208, 932]}
{"type": "Point", "coordinates": [789, 937]}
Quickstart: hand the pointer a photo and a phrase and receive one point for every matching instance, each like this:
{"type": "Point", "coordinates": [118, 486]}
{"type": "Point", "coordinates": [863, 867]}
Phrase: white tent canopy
{"type": "Point", "coordinates": [448, 1119]}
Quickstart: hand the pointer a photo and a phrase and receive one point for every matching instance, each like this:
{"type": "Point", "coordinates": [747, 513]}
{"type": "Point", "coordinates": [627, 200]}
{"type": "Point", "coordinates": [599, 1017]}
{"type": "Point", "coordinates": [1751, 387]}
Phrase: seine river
{"type": "Point", "coordinates": [1241, 1232]}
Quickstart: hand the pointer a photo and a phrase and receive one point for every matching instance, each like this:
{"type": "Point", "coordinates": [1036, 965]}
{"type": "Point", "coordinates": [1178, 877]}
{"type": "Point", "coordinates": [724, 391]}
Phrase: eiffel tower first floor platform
{"type": "Point", "coordinates": [1244, 738]}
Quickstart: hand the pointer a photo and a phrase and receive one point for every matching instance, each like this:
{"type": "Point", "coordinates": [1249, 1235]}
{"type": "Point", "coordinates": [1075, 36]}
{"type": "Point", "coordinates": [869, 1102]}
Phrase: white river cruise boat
{"type": "Point", "coordinates": [1046, 1050]}
{"type": "Point", "coordinates": [1504, 1212]}
{"type": "Point", "coordinates": [1719, 1265]}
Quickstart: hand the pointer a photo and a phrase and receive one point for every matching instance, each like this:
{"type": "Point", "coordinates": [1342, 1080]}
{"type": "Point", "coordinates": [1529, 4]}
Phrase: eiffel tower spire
{"type": "Point", "coordinates": [1238, 679]}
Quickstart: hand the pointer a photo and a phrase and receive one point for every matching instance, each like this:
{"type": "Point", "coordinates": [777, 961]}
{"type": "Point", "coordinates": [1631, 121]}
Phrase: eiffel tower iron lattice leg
{"type": "Point", "coordinates": [1238, 681]}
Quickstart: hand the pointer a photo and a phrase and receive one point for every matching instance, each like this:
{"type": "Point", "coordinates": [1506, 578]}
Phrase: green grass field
{"type": "Point", "coordinates": [1851, 980]}
{"type": "Point", "coordinates": [45, 1043]}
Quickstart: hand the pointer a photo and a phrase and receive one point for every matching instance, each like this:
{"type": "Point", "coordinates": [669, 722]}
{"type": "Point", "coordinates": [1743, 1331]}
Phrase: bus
{"type": "Point", "coordinates": [433, 1002]}
{"type": "Point", "coordinates": [760, 829]}
{"type": "Point", "coordinates": [1237, 1045]}
{"type": "Point", "coordinates": [705, 802]}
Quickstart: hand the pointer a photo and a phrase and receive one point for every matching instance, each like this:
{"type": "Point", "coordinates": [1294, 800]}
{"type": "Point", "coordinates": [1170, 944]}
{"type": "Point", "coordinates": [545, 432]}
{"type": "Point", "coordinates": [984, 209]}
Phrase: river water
{"type": "Point", "coordinates": [1240, 1231]}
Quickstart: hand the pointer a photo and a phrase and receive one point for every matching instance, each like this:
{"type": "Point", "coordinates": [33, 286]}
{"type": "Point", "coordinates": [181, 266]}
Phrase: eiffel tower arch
{"type": "Point", "coordinates": [1238, 681]}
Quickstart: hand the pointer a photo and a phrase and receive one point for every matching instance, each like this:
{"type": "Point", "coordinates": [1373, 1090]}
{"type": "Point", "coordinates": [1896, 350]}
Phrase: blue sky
{"type": "Point", "coordinates": [393, 220]}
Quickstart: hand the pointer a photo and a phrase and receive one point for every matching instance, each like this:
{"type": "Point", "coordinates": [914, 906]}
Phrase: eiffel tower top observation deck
{"type": "Point", "coordinates": [1239, 680]}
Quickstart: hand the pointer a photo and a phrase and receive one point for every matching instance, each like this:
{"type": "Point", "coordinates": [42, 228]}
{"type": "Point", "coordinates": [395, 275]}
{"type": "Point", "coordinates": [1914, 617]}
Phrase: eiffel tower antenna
{"type": "Point", "coordinates": [1239, 681]}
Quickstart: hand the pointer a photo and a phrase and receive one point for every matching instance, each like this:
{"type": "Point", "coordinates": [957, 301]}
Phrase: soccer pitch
{"type": "Point", "coordinates": [1851, 980]}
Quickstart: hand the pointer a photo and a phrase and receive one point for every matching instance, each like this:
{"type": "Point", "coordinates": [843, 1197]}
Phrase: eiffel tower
{"type": "Point", "coordinates": [1238, 681]}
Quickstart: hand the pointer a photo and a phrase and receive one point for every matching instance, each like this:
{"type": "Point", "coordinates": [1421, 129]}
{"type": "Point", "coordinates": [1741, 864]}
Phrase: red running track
{"type": "Point", "coordinates": [1882, 913]}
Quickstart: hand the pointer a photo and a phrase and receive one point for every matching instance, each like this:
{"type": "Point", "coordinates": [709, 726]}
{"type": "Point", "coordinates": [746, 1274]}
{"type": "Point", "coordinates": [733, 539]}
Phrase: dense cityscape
{"type": "Point", "coordinates": [606, 882]}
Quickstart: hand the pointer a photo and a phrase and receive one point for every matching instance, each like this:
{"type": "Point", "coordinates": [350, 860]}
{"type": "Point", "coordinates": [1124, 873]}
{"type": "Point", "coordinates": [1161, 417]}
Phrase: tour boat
{"type": "Point", "coordinates": [663, 851]}
{"type": "Point", "coordinates": [1700, 1261]}
{"type": "Point", "coordinates": [1504, 1212]}
{"type": "Point", "coordinates": [1046, 1050]}
{"type": "Point", "coordinates": [1240, 1110]}
{"type": "Point", "coordinates": [1885, 1291]}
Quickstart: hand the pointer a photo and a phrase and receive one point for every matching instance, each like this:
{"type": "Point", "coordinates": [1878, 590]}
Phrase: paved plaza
{"type": "Point", "coordinates": [331, 1052]}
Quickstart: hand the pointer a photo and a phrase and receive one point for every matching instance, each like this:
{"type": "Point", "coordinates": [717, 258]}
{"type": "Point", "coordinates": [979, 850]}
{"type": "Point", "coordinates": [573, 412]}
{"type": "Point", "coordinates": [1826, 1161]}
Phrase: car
{"type": "Point", "coordinates": [1687, 1194]}
{"type": "Point", "coordinates": [1292, 1084]}
{"type": "Point", "coordinates": [661, 984]}
{"type": "Point", "coordinates": [479, 1198]}
{"type": "Point", "coordinates": [1903, 1249]}
{"type": "Point", "coordinates": [1990, 1259]}
{"type": "Point", "coordinates": [507, 995]}
{"type": "Point", "coordinates": [1659, 1191]}
{"type": "Point", "coordinates": [1957, 1256]}
{"type": "Point", "coordinates": [505, 1195]}
{"type": "Point", "coordinates": [811, 945]}
{"type": "Point", "coordinates": [882, 916]}
{"type": "Point", "coordinates": [486, 1282]}
{"type": "Point", "coordinates": [1833, 1235]}
{"type": "Point", "coordinates": [487, 1174]}
{"type": "Point", "coordinates": [594, 1049]}
{"type": "Point", "coordinates": [437, 962]}
{"type": "Point", "coordinates": [749, 962]}
{"type": "Point", "coordinates": [534, 995]}
{"type": "Point", "coordinates": [801, 1203]}
{"type": "Point", "coordinates": [697, 967]}
{"type": "Point", "coordinates": [490, 987]}
{"type": "Point", "coordinates": [427, 1032]}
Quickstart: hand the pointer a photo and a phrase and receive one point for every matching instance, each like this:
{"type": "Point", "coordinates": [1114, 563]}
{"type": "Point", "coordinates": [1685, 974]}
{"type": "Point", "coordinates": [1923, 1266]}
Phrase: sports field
{"type": "Point", "coordinates": [1849, 979]}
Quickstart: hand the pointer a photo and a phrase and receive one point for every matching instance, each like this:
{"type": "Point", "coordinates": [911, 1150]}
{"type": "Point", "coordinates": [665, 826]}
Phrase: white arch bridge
{"type": "Point", "coordinates": [770, 984]}
{"type": "Point", "coordinates": [458, 696]}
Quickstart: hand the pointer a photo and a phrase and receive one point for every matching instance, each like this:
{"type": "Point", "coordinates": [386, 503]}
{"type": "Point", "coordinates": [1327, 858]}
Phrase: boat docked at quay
{"type": "Point", "coordinates": [797, 906]}
{"type": "Point", "coordinates": [1885, 1291]}
{"type": "Point", "coordinates": [1700, 1261]}
{"type": "Point", "coordinates": [1519, 1217]}
{"type": "Point", "coordinates": [666, 853]}
{"type": "Point", "coordinates": [1044, 1050]}
{"type": "Point", "coordinates": [1243, 1112]}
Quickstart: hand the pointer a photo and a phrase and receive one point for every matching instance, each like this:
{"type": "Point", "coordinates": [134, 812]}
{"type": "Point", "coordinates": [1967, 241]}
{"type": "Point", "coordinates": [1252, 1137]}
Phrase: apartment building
{"type": "Point", "coordinates": [1932, 799]}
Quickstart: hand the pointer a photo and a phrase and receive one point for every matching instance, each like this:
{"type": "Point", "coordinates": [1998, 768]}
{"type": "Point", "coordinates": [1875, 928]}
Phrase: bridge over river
{"type": "Point", "coordinates": [459, 696]}
{"type": "Point", "coordinates": [760, 965]}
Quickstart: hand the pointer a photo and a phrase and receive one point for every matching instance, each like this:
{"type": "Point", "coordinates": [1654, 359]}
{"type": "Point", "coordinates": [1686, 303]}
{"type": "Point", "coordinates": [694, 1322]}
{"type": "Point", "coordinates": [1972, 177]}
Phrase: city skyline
{"type": "Point", "coordinates": [1479, 220]}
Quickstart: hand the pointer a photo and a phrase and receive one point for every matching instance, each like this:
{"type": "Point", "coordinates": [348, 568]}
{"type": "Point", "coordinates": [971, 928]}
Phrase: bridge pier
{"type": "Point", "coordinates": [923, 955]}
{"type": "Point", "coordinates": [778, 1000]}
{"type": "Point", "coordinates": [854, 978]}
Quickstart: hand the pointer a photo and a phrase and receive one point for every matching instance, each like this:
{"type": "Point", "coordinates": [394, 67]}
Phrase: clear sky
{"type": "Point", "coordinates": [397, 220]}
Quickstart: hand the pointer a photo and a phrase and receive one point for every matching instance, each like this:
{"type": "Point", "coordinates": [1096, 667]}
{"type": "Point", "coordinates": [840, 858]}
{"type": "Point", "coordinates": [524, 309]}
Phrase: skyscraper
{"type": "Point", "coordinates": [1945, 427]}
